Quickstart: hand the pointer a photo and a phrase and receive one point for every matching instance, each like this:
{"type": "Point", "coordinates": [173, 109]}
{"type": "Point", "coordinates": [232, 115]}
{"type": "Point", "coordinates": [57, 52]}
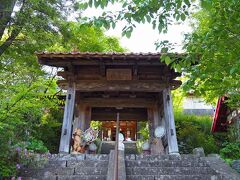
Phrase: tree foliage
{"type": "Point", "coordinates": [215, 44]}
{"type": "Point", "coordinates": [17, 16]}
{"type": "Point", "coordinates": [29, 105]}
{"type": "Point", "coordinates": [158, 13]}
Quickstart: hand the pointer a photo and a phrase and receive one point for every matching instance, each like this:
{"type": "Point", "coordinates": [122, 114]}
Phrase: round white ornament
{"type": "Point", "coordinates": [159, 132]}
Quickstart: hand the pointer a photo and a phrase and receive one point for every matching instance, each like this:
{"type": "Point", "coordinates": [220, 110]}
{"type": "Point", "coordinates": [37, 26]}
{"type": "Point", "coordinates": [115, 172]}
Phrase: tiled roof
{"type": "Point", "coordinates": [102, 54]}
{"type": "Point", "coordinates": [99, 53]}
{"type": "Point", "coordinates": [59, 59]}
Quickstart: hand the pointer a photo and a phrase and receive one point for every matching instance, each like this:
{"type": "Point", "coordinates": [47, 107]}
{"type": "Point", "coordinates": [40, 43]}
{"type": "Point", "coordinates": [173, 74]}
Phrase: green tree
{"type": "Point", "coordinates": [214, 49]}
{"type": "Point", "coordinates": [26, 112]}
{"type": "Point", "coordinates": [17, 16]}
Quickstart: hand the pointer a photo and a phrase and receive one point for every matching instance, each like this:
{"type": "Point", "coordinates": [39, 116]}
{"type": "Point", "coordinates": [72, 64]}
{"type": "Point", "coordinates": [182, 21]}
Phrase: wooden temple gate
{"type": "Point", "coordinates": [138, 84]}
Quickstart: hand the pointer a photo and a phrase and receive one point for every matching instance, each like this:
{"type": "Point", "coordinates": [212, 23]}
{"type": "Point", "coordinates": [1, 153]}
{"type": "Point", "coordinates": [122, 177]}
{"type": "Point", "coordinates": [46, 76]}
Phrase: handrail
{"type": "Point", "coordinates": [116, 149]}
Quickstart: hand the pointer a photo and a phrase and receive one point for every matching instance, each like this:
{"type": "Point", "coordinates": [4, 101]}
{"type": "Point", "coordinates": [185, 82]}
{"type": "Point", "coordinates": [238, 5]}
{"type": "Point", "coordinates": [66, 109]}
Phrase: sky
{"type": "Point", "coordinates": [143, 36]}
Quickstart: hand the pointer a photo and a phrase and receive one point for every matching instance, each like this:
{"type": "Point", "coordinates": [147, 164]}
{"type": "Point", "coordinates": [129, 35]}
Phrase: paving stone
{"type": "Point", "coordinates": [189, 157]}
{"type": "Point", "coordinates": [69, 157]}
{"type": "Point", "coordinates": [187, 177]}
{"type": "Point", "coordinates": [56, 164]}
{"type": "Point", "coordinates": [46, 172]}
{"type": "Point", "coordinates": [40, 178]}
{"type": "Point", "coordinates": [87, 163]}
{"type": "Point", "coordinates": [97, 156]}
{"type": "Point", "coordinates": [169, 171]}
{"type": "Point", "coordinates": [162, 163]}
{"type": "Point", "coordinates": [91, 171]}
{"type": "Point", "coordinates": [77, 177]}
{"type": "Point", "coordinates": [174, 177]}
{"type": "Point", "coordinates": [152, 157]}
{"type": "Point", "coordinates": [137, 177]}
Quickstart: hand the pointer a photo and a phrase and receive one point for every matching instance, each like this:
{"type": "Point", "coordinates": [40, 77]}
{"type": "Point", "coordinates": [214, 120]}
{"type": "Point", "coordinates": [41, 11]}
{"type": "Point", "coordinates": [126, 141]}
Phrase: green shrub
{"type": "Point", "coordinates": [230, 151]}
{"type": "Point", "coordinates": [49, 131]}
{"type": "Point", "coordinates": [194, 131]}
{"type": "Point", "coordinates": [144, 135]}
{"type": "Point", "coordinates": [33, 145]}
{"type": "Point", "coordinates": [7, 167]}
{"type": "Point", "coordinates": [36, 146]}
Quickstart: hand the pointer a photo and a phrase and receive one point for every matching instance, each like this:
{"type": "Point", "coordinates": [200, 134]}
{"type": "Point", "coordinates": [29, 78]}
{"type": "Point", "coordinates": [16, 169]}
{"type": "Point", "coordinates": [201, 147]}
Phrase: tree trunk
{"type": "Point", "coordinates": [6, 9]}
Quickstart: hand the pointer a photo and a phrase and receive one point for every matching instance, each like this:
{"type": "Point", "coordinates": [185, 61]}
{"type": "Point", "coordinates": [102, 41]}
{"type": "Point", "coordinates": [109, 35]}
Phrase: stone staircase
{"type": "Point", "coordinates": [70, 167]}
{"type": "Point", "coordinates": [172, 167]}
{"type": "Point", "coordinates": [133, 167]}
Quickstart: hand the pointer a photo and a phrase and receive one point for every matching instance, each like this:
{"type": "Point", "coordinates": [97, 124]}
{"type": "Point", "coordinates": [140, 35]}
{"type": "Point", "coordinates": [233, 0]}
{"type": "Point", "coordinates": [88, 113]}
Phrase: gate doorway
{"type": "Point", "coordinates": [127, 128]}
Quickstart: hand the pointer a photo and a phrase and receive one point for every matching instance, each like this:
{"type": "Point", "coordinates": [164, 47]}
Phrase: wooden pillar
{"type": "Point", "coordinates": [67, 120]}
{"type": "Point", "coordinates": [169, 122]}
{"type": "Point", "coordinates": [156, 146]}
{"type": "Point", "coordinates": [83, 118]}
{"type": "Point", "coordinates": [150, 126]}
{"type": "Point", "coordinates": [79, 121]}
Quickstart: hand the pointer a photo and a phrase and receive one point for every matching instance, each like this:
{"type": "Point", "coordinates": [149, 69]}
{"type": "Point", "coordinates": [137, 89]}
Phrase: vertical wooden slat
{"type": "Point", "coordinates": [169, 122]}
{"type": "Point", "coordinates": [79, 121]}
{"type": "Point", "coordinates": [151, 126]}
{"type": "Point", "coordinates": [156, 147]}
{"type": "Point", "coordinates": [67, 120]}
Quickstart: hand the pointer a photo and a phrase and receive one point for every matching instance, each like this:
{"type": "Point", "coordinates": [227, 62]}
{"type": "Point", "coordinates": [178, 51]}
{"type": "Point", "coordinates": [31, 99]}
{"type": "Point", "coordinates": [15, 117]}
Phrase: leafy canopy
{"type": "Point", "coordinates": [216, 43]}
{"type": "Point", "coordinates": [28, 93]}
{"type": "Point", "coordinates": [17, 16]}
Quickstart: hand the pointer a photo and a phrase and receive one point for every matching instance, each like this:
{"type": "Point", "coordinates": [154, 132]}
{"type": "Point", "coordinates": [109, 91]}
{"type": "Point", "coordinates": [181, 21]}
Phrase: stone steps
{"type": "Point", "coordinates": [169, 170]}
{"type": "Point", "coordinates": [77, 163]}
{"type": "Point", "coordinates": [165, 163]}
{"type": "Point", "coordinates": [71, 177]}
{"type": "Point", "coordinates": [174, 177]}
{"type": "Point", "coordinates": [168, 167]}
{"type": "Point", "coordinates": [81, 166]}
{"type": "Point", "coordinates": [65, 171]}
{"type": "Point", "coordinates": [135, 167]}
{"type": "Point", "coordinates": [89, 177]}
{"type": "Point", "coordinates": [187, 157]}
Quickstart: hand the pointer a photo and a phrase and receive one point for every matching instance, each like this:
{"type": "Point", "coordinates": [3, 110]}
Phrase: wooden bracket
{"type": "Point", "coordinates": [102, 69]}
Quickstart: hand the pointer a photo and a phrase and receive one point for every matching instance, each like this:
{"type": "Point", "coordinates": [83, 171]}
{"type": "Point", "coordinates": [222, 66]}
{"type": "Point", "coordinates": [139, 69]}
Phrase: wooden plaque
{"type": "Point", "coordinates": [119, 74]}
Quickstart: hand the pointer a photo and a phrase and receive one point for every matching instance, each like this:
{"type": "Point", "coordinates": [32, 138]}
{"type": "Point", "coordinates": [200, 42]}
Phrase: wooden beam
{"type": "Point", "coordinates": [169, 122]}
{"type": "Point", "coordinates": [64, 61]}
{"type": "Point", "coordinates": [134, 85]}
{"type": "Point", "coordinates": [67, 120]}
{"type": "Point", "coordinates": [118, 102]}
{"type": "Point", "coordinates": [109, 116]}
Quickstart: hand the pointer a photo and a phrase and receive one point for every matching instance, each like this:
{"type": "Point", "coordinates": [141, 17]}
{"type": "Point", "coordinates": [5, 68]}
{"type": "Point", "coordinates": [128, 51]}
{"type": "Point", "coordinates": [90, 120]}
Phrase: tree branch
{"type": "Point", "coordinates": [6, 10]}
{"type": "Point", "coordinates": [15, 32]}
